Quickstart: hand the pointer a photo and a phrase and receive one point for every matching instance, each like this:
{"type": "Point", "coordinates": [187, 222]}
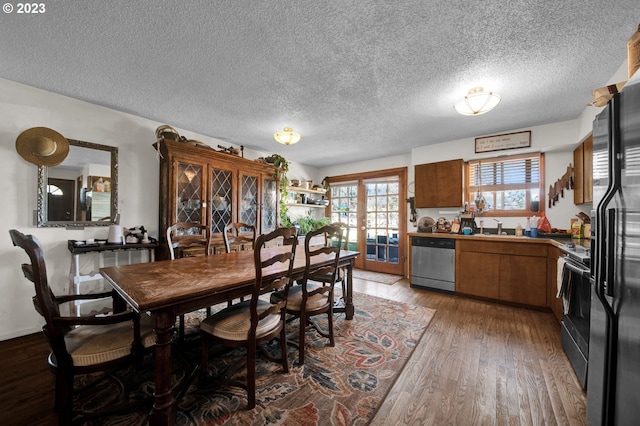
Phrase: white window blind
{"type": "Point", "coordinates": [507, 183]}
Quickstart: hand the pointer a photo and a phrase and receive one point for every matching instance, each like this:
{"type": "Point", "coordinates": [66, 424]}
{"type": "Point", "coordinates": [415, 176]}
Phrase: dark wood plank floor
{"type": "Point", "coordinates": [478, 363]}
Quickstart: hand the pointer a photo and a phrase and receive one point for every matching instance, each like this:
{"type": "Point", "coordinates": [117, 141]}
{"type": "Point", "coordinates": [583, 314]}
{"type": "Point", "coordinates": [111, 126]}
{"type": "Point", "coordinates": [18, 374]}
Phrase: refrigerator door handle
{"type": "Point", "coordinates": [609, 255]}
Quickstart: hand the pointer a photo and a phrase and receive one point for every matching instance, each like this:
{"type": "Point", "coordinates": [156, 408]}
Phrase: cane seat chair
{"type": "Point", "coordinates": [239, 235]}
{"type": "Point", "coordinates": [186, 239]}
{"type": "Point", "coordinates": [82, 344]}
{"type": "Point", "coordinates": [314, 294]}
{"type": "Point", "coordinates": [254, 322]}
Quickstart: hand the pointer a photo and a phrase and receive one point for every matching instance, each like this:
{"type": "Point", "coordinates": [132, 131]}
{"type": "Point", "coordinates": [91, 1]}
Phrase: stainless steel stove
{"type": "Point", "coordinates": [577, 253]}
{"type": "Point", "coordinates": [574, 334]}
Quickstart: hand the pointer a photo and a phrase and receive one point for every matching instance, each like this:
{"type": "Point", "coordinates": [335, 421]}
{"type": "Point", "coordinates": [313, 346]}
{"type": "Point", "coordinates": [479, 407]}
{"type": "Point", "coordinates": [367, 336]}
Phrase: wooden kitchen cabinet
{"type": "Point", "coordinates": [583, 172]}
{"type": "Point", "coordinates": [510, 272]}
{"type": "Point", "coordinates": [198, 184]}
{"type": "Point", "coordinates": [478, 274]}
{"type": "Point", "coordinates": [552, 281]}
{"type": "Point", "coordinates": [523, 280]}
{"type": "Point", "coordinates": [439, 184]}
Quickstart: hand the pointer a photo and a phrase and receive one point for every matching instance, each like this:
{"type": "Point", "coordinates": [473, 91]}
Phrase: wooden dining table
{"type": "Point", "coordinates": [168, 288]}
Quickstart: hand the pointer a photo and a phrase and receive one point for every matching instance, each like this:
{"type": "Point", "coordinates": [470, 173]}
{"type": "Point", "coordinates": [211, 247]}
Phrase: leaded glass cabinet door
{"type": "Point", "coordinates": [269, 204]}
{"type": "Point", "coordinates": [221, 199]}
{"type": "Point", "coordinates": [189, 193]}
{"type": "Point", "coordinates": [249, 200]}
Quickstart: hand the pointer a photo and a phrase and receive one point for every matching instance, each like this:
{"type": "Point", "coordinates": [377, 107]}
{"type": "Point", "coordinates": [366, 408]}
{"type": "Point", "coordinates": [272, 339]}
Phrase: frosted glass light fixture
{"type": "Point", "coordinates": [477, 102]}
{"type": "Point", "coordinates": [287, 136]}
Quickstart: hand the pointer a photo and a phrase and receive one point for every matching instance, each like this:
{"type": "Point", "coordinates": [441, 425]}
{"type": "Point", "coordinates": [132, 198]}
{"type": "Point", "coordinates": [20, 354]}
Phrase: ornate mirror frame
{"type": "Point", "coordinates": [42, 199]}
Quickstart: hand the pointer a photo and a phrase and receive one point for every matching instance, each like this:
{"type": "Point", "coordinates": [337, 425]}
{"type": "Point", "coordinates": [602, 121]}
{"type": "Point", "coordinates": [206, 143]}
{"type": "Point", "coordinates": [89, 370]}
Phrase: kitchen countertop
{"type": "Point", "coordinates": [558, 241]}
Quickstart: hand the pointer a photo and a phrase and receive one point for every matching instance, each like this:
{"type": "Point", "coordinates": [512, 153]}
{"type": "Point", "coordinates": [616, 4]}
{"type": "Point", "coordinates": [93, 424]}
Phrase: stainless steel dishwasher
{"type": "Point", "coordinates": [433, 263]}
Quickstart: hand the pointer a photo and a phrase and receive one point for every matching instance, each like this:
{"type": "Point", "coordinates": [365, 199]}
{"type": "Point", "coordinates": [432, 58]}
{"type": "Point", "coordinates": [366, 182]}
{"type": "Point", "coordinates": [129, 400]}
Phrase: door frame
{"type": "Point", "coordinates": [401, 173]}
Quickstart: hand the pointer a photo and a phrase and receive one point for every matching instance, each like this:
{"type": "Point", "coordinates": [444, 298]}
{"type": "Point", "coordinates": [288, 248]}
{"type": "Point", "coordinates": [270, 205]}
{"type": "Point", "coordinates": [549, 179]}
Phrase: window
{"type": "Point", "coordinates": [511, 186]}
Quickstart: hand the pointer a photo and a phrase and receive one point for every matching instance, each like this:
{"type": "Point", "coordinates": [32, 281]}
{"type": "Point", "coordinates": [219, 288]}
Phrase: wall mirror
{"type": "Point", "coordinates": [82, 190]}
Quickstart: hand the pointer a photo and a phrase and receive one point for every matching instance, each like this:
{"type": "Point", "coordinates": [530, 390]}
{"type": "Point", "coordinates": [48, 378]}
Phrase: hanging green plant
{"type": "Point", "coordinates": [280, 175]}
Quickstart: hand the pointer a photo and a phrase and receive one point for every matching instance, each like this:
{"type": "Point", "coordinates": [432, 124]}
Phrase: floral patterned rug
{"type": "Point", "coordinates": [343, 385]}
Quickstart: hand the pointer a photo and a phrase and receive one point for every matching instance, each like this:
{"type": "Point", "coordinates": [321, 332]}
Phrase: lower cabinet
{"type": "Point", "coordinates": [510, 272]}
{"type": "Point", "coordinates": [552, 279]}
{"type": "Point", "coordinates": [478, 274]}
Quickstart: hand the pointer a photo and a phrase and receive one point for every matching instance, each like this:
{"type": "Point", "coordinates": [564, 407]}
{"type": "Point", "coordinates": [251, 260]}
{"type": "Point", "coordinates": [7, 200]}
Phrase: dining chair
{"type": "Point", "coordinates": [314, 294]}
{"type": "Point", "coordinates": [254, 322]}
{"type": "Point", "coordinates": [83, 344]}
{"type": "Point", "coordinates": [186, 239]}
{"type": "Point", "coordinates": [238, 234]}
{"type": "Point", "coordinates": [341, 276]}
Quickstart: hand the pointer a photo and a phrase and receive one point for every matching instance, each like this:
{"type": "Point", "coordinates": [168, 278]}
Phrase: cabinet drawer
{"type": "Point", "coordinates": [500, 247]}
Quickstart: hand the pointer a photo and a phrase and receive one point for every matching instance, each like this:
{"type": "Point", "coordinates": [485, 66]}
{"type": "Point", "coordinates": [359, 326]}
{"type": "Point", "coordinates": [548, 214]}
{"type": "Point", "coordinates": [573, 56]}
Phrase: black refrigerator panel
{"type": "Point", "coordinates": [626, 294]}
{"type": "Point", "coordinates": [613, 378]}
{"type": "Point", "coordinates": [597, 374]}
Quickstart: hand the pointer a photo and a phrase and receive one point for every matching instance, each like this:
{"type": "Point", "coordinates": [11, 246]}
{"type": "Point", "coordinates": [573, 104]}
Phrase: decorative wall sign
{"type": "Point", "coordinates": [502, 142]}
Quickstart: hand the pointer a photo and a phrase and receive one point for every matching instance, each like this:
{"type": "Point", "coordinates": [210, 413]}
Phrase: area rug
{"type": "Point", "coordinates": [376, 276]}
{"type": "Point", "coordinates": [343, 385]}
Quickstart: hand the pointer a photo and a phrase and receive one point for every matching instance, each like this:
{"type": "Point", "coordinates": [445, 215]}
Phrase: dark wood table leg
{"type": "Point", "coordinates": [164, 408]}
{"type": "Point", "coordinates": [349, 310]}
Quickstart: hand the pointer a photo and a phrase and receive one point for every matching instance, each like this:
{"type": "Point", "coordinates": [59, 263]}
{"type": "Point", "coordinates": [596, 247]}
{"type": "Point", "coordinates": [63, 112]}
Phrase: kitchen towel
{"type": "Point", "coordinates": [564, 285]}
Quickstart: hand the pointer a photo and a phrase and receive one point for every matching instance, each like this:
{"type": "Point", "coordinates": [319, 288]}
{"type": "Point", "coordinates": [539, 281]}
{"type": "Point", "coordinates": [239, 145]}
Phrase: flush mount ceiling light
{"type": "Point", "coordinates": [287, 136]}
{"type": "Point", "coordinates": [477, 102]}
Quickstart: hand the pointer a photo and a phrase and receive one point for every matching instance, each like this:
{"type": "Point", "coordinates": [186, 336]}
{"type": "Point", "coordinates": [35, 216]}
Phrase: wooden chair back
{"type": "Point", "coordinates": [237, 325]}
{"type": "Point", "coordinates": [188, 239]}
{"type": "Point", "coordinates": [238, 234]}
{"type": "Point", "coordinates": [345, 234]}
{"type": "Point", "coordinates": [327, 273]}
{"type": "Point", "coordinates": [109, 344]}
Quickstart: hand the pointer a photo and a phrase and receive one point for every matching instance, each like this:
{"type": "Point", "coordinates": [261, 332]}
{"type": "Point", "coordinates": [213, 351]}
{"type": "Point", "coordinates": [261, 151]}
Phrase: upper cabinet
{"type": "Point", "coordinates": [198, 184]}
{"type": "Point", "coordinates": [439, 184]}
{"type": "Point", "coordinates": [583, 172]}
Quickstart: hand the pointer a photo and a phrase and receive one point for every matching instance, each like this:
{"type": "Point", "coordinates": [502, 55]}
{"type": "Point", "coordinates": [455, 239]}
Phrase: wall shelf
{"type": "Point", "coordinates": [313, 206]}
{"type": "Point", "coordinates": [306, 191]}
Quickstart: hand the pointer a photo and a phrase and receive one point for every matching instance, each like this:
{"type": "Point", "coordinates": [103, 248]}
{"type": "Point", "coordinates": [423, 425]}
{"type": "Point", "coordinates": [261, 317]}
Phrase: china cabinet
{"type": "Point", "coordinates": [198, 184]}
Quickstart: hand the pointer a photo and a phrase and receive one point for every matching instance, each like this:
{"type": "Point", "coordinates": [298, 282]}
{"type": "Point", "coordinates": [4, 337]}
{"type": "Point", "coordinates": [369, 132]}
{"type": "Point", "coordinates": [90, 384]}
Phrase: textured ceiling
{"type": "Point", "coordinates": [358, 79]}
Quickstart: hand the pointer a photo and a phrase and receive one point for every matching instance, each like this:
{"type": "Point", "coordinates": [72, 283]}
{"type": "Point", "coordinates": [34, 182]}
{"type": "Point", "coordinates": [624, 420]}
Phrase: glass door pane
{"type": "Point", "coordinates": [269, 205]}
{"type": "Point", "coordinates": [221, 199]}
{"type": "Point", "coordinates": [249, 200]}
{"type": "Point", "coordinates": [344, 208]}
{"type": "Point", "coordinates": [382, 225]}
{"type": "Point", "coordinates": [189, 193]}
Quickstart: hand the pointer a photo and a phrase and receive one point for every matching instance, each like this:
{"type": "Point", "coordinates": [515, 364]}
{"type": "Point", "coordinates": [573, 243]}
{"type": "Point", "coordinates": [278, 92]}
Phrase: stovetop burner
{"type": "Point", "coordinates": [577, 253]}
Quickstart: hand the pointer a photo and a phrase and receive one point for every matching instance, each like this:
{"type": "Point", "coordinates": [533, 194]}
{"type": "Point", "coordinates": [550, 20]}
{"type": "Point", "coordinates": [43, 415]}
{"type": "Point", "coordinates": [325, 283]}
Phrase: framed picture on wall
{"type": "Point", "coordinates": [503, 142]}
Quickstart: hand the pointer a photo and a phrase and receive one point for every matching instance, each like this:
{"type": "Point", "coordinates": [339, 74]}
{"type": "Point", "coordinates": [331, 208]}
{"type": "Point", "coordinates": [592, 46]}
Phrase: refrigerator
{"type": "Point", "coordinates": [613, 377]}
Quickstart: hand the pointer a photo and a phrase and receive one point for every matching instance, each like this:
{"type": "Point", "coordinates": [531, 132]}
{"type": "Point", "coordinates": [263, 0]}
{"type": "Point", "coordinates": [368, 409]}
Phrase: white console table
{"type": "Point", "coordinates": [100, 248]}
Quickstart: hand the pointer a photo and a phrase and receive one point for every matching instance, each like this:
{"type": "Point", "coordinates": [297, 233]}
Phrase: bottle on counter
{"type": "Point", "coordinates": [519, 230]}
{"type": "Point", "coordinates": [527, 229]}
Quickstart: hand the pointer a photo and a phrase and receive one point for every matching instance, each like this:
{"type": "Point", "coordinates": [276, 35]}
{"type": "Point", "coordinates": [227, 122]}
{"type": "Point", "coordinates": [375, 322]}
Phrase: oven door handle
{"type": "Point", "coordinates": [576, 269]}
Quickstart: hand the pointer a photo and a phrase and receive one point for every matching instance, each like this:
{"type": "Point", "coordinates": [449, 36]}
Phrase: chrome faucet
{"type": "Point", "coordinates": [499, 226]}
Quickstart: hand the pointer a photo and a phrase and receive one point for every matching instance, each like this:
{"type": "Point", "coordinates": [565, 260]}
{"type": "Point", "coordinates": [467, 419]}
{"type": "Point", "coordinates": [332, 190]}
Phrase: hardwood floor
{"type": "Point", "coordinates": [478, 363]}
{"type": "Point", "coordinates": [481, 363]}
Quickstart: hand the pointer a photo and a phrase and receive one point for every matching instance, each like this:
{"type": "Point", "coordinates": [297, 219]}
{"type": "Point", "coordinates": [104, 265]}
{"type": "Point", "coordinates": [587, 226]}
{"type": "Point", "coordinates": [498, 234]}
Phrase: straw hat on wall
{"type": "Point", "coordinates": [42, 146]}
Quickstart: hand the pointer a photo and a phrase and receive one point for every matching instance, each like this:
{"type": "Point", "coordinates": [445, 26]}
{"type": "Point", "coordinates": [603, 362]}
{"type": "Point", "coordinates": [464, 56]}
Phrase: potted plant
{"type": "Point", "coordinates": [306, 224]}
{"type": "Point", "coordinates": [280, 175]}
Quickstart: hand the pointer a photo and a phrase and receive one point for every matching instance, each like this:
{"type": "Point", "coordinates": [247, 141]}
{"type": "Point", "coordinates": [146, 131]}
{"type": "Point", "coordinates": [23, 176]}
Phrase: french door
{"type": "Point", "coordinates": [373, 206]}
